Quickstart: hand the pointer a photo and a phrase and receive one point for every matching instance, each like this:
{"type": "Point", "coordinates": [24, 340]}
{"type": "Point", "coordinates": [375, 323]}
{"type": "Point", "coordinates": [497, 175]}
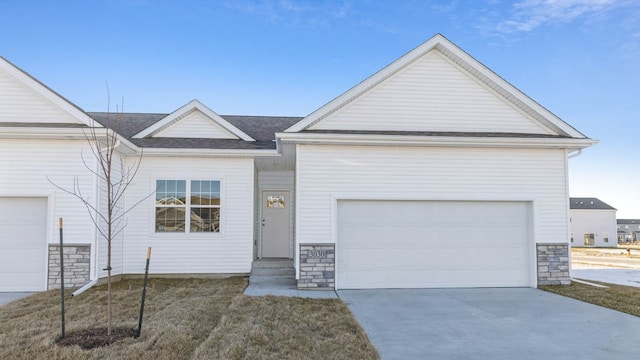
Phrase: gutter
{"type": "Point", "coordinates": [417, 140]}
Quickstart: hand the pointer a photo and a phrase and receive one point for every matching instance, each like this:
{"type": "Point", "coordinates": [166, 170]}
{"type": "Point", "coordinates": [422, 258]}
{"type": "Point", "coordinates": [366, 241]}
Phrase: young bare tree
{"type": "Point", "coordinates": [109, 219]}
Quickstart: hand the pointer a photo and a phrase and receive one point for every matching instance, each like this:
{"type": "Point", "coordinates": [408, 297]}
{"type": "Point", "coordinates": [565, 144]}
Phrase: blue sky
{"type": "Point", "coordinates": [578, 58]}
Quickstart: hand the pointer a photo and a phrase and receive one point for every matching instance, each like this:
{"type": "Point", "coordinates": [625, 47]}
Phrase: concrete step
{"type": "Point", "coordinates": [272, 280]}
{"type": "Point", "coordinates": [283, 271]}
{"type": "Point", "coordinates": [272, 263]}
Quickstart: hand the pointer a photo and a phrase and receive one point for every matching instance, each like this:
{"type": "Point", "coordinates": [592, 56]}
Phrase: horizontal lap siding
{"type": "Point", "coordinates": [429, 174]}
{"type": "Point", "coordinates": [196, 125]}
{"type": "Point", "coordinates": [230, 251]}
{"type": "Point", "coordinates": [24, 165]}
{"type": "Point", "coordinates": [431, 95]}
{"type": "Point", "coordinates": [21, 104]}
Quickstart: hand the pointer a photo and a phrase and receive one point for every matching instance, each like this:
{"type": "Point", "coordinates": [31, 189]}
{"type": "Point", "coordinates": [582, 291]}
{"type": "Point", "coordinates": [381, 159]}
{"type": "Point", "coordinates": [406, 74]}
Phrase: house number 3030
{"type": "Point", "coordinates": [317, 253]}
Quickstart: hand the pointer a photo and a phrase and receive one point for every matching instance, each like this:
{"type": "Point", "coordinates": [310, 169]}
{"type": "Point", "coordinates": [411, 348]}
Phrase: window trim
{"type": "Point", "coordinates": [187, 208]}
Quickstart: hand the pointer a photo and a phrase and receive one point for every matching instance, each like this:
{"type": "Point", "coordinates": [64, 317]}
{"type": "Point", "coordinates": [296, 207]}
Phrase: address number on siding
{"type": "Point", "coordinates": [317, 253]}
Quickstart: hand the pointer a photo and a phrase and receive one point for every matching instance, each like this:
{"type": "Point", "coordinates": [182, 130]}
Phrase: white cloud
{"type": "Point", "coordinates": [527, 15]}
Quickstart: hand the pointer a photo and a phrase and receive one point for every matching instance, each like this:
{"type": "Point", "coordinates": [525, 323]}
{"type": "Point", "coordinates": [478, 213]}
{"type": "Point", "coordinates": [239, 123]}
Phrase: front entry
{"type": "Point", "coordinates": [276, 216]}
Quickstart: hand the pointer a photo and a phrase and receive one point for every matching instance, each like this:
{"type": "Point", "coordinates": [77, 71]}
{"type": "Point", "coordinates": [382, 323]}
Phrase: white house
{"type": "Point", "coordinates": [433, 172]}
{"type": "Point", "coordinates": [593, 223]}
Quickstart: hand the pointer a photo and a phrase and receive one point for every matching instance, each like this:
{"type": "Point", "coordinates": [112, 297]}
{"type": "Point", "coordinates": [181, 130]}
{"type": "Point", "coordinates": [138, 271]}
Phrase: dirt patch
{"type": "Point", "coordinates": [98, 337]}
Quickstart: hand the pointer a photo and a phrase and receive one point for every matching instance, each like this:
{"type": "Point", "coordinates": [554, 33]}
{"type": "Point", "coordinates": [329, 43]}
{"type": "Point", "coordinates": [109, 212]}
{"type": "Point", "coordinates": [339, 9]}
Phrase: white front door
{"type": "Point", "coordinates": [276, 232]}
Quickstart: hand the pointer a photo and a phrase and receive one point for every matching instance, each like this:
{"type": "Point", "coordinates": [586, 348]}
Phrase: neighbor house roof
{"type": "Point", "coordinates": [260, 128]}
{"type": "Point", "coordinates": [589, 203]}
{"type": "Point", "coordinates": [628, 221]}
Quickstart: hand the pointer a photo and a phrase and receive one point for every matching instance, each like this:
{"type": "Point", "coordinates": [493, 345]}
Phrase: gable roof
{"type": "Point", "coordinates": [219, 128]}
{"type": "Point", "coordinates": [40, 97]}
{"type": "Point", "coordinates": [628, 221]}
{"type": "Point", "coordinates": [463, 61]}
{"type": "Point", "coordinates": [589, 204]}
{"type": "Point", "coordinates": [260, 128]}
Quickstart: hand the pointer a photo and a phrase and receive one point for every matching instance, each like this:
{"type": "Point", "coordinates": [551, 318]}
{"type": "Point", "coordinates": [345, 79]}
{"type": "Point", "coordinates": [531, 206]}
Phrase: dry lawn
{"type": "Point", "coordinates": [616, 297]}
{"type": "Point", "coordinates": [186, 319]}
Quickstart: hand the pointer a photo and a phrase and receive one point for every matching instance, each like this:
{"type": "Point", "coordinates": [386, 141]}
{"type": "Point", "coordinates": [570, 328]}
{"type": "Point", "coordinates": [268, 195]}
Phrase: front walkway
{"type": "Point", "coordinates": [628, 277]}
{"type": "Point", "coordinates": [277, 277]}
{"type": "Point", "coordinates": [7, 297]}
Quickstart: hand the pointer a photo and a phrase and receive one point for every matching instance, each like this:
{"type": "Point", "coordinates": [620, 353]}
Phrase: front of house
{"type": "Point", "coordinates": [433, 172]}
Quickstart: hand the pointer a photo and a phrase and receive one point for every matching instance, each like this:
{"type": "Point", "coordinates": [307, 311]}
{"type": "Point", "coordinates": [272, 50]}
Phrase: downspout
{"type": "Point", "coordinates": [86, 287]}
{"type": "Point", "coordinates": [570, 155]}
{"type": "Point", "coordinates": [574, 153]}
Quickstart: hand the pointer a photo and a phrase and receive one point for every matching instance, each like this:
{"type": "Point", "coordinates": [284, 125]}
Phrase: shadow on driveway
{"type": "Point", "coordinates": [505, 323]}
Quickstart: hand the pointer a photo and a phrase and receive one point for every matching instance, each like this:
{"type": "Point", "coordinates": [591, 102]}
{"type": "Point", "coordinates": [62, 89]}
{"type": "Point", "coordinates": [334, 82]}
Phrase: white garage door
{"type": "Point", "coordinates": [431, 244]}
{"type": "Point", "coordinates": [23, 231]}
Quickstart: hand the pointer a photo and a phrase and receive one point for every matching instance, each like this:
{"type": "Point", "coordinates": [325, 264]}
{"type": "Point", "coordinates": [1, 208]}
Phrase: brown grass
{"type": "Point", "coordinates": [616, 297]}
{"type": "Point", "coordinates": [186, 319]}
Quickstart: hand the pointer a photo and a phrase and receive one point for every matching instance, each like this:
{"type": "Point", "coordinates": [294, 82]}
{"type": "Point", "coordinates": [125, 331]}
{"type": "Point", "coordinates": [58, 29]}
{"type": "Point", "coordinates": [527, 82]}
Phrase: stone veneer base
{"type": "Point", "coordinates": [553, 264]}
{"type": "Point", "coordinates": [317, 267]}
{"type": "Point", "coordinates": [77, 262]}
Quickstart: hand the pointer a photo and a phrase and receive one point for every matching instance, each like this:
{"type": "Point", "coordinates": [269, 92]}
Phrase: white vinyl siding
{"type": "Point", "coordinates": [229, 251]}
{"type": "Point", "coordinates": [196, 125]}
{"type": "Point", "coordinates": [431, 94]}
{"type": "Point", "coordinates": [24, 165]}
{"type": "Point", "coordinates": [20, 104]}
{"type": "Point", "coordinates": [327, 173]}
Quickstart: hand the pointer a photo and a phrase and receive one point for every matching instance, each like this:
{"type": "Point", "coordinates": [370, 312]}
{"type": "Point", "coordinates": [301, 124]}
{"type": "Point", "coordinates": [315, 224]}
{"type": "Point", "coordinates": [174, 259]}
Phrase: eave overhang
{"type": "Point", "coordinates": [430, 141]}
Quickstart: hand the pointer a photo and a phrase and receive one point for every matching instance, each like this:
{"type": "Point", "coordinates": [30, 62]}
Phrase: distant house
{"type": "Point", "coordinates": [628, 230]}
{"type": "Point", "coordinates": [593, 223]}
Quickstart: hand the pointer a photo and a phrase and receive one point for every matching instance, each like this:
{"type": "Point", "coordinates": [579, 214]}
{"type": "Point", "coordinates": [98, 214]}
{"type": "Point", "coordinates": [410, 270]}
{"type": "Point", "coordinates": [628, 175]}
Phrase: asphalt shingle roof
{"type": "Point", "coordinates": [589, 204]}
{"type": "Point", "coordinates": [261, 128]}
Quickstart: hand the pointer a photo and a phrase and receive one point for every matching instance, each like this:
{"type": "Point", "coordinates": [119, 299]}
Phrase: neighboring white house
{"type": "Point", "coordinates": [593, 223]}
{"type": "Point", "coordinates": [433, 172]}
{"type": "Point", "coordinates": [628, 230]}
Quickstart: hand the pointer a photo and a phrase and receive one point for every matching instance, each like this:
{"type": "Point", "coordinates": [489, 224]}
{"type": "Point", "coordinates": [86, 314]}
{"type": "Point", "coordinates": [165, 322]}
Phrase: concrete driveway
{"type": "Point", "coordinates": [7, 297]}
{"type": "Point", "coordinates": [506, 323]}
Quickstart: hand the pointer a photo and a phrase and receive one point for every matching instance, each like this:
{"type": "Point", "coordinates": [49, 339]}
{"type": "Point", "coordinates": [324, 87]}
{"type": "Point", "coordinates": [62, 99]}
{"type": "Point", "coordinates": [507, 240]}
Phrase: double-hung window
{"type": "Point", "coordinates": [187, 206]}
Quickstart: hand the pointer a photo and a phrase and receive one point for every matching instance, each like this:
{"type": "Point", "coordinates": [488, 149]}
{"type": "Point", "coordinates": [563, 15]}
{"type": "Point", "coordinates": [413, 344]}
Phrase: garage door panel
{"type": "Point", "coordinates": [23, 221]}
{"type": "Point", "coordinates": [433, 244]}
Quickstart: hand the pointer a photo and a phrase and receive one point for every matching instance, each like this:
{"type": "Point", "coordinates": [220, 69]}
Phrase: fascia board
{"type": "Point", "coordinates": [208, 152]}
{"type": "Point", "coordinates": [47, 93]}
{"type": "Point", "coordinates": [60, 134]}
{"type": "Point", "coordinates": [193, 104]}
{"type": "Point", "coordinates": [450, 141]}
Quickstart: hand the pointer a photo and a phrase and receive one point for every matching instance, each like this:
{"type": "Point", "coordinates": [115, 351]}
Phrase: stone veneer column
{"type": "Point", "coordinates": [553, 264]}
{"type": "Point", "coordinates": [317, 267]}
{"type": "Point", "coordinates": [77, 262]}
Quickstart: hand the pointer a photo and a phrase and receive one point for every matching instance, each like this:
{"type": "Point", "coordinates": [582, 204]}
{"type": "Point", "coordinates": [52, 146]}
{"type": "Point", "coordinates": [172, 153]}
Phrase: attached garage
{"type": "Point", "coordinates": [23, 243]}
{"type": "Point", "coordinates": [432, 244]}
